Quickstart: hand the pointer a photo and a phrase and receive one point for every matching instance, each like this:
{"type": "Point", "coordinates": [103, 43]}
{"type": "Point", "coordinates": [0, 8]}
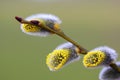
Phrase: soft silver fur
{"type": "Point", "coordinates": [110, 53]}
{"type": "Point", "coordinates": [107, 73]}
{"type": "Point", "coordinates": [46, 17]}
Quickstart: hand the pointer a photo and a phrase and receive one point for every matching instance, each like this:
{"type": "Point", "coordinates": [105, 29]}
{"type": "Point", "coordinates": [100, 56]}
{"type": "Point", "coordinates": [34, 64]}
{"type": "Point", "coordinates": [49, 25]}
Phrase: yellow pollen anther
{"type": "Point", "coordinates": [93, 58]}
{"type": "Point", "coordinates": [30, 28]}
{"type": "Point", "coordinates": [56, 27]}
{"type": "Point", "coordinates": [57, 59]}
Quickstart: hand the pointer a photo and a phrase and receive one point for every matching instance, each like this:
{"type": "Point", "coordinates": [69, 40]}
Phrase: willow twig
{"type": "Point", "coordinates": [59, 33]}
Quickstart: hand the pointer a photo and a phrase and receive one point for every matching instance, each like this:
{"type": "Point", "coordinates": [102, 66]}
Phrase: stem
{"type": "Point", "coordinates": [59, 33]}
{"type": "Point", "coordinates": [115, 67]}
{"type": "Point", "coordinates": [81, 49]}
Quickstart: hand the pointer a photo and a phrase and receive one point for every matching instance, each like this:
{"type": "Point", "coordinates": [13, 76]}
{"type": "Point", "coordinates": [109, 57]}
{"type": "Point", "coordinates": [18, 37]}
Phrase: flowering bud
{"type": "Point", "coordinates": [48, 20]}
{"type": "Point", "coordinates": [108, 73]}
{"type": "Point", "coordinates": [61, 56]}
{"type": "Point", "coordinates": [101, 56]}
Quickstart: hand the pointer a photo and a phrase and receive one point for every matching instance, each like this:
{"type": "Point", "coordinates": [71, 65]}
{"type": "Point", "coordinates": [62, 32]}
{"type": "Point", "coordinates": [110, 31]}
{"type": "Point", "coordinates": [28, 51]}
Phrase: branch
{"type": "Point", "coordinates": [59, 33]}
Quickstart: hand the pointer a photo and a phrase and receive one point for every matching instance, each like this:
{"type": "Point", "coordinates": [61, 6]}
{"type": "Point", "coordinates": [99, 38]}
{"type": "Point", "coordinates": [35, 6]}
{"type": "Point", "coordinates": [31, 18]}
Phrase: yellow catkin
{"type": "Point", "coordinates": [57, 59]}
{"type": "Point", "coordinates": [94, 58]}
{"type": "Point", "coordinates": [30, 28]}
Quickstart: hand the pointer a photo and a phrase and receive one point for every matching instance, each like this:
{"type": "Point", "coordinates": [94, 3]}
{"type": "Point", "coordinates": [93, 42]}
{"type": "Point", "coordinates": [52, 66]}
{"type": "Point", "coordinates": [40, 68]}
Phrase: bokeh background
{"type": "Point", "coordinates": [91, 23]}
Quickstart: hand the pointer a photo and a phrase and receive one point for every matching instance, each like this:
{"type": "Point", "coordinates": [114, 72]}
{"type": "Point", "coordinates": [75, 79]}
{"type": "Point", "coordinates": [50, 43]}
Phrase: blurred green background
{"type": "Point", "coordinates": [91, 23]}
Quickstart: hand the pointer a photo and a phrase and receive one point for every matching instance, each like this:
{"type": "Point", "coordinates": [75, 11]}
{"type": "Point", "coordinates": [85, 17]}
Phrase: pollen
{"type": "Point", "coordinates": [30, 28]}
{"type": "Point", "coordinates": [57, 59]}
{"type": "Point", "coordinates": [94, 58]}
{"type": "Point", "coordinates": [56, 27]}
